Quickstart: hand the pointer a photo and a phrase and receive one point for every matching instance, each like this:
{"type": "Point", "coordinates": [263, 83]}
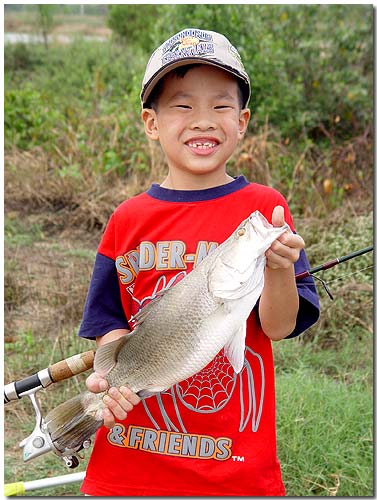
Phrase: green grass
{"type": "Point", "coordinates": [325, 435]}
{"type": "Point", "coordinates": [18, 232]}
{"type": "Point", "coordinates": [325, 414]}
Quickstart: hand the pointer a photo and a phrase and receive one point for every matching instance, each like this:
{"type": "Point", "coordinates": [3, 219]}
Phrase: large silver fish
{"type": "Point", "coordinates": [180, 332]}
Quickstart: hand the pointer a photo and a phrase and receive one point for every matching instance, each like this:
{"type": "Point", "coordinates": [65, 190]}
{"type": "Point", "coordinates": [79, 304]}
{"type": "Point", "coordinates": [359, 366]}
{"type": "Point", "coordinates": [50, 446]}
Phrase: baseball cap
{"type": "Point", "coordinates": [191, 46]}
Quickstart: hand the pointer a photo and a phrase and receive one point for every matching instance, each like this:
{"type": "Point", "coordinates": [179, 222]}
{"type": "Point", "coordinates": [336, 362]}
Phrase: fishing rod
{"type": "Point", "coordinates": [82, 362]}
{"type": "Point", "coordinates": [21, 487]}
{"type": "Point", "coordinates": [329, 265]}
{"type": "Point", "coordinates": [55, 373]}
{"type": "Point", "coordinates": [39, 442]}
{"type": "Point", "coordinates": [332, 263]}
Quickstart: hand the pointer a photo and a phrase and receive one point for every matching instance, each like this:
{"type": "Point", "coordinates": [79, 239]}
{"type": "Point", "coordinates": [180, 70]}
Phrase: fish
{"type": "Point", "coordinates": [179, 332]}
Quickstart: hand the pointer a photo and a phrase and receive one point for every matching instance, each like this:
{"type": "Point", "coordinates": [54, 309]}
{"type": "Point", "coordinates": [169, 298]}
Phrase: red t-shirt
{"type": "Point", "coordinates": [213, 434]}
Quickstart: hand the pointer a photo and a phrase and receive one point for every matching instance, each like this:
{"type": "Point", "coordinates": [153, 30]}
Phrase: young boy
{"type": "Point", "coordinates": [214, 434]}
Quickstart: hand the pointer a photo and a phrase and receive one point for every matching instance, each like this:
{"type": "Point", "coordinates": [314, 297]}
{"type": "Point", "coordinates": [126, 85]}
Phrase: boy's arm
{"type": "Point", "coordinates": [279, 301]}
{"type": "Point", "coordinates": [119, 401]}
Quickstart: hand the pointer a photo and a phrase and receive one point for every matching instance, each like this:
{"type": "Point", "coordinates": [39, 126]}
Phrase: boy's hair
{"type": "Point", "coordinates": [180, 72]}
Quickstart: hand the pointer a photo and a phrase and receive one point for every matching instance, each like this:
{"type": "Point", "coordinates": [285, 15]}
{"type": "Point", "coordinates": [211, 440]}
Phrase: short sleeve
{"type": "Point", "coordinates": [309, 309]}
{"type": "Point", "coordinates": [103, 309]}
{"type": "Point", "coordinates": [308, 312]}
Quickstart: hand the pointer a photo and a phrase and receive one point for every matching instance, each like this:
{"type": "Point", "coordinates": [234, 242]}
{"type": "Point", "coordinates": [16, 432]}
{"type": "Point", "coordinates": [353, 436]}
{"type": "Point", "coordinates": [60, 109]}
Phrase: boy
{"type": "Point", "coordinates": [215, 433]}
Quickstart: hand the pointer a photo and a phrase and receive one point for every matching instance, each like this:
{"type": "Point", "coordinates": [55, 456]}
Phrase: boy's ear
{"type": "Point", "coordinates": [243, 122]}
{"type": "Point", "coordinates": [149, 118]}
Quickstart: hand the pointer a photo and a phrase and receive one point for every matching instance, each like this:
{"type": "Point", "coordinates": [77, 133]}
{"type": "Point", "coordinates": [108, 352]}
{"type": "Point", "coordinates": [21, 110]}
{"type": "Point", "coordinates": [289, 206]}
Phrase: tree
{"type": "Point", "coordinates": [45, 20]}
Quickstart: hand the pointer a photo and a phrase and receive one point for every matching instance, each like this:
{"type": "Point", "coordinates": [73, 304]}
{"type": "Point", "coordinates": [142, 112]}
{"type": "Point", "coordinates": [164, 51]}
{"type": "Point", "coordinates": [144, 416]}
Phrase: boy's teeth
{"type": "Point", "coordinates": [202, 145]}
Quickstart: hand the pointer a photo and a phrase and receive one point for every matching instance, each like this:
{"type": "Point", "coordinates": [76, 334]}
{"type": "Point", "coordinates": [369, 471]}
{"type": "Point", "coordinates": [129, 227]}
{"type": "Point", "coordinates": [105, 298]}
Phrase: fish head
{"type": "Point", "coordinates": [236, 250]}
{"type": "Point", "coordinates": [240, 260]}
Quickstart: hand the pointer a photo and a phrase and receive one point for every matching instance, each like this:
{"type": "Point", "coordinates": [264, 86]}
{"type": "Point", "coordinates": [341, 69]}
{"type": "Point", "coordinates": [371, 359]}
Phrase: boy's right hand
{"type": "Point", "coordinates": [119, 402]}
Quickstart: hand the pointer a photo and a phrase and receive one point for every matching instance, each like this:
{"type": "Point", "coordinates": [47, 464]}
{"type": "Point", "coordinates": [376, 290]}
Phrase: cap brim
{"type": "Point", "coordinates": [149, 86]}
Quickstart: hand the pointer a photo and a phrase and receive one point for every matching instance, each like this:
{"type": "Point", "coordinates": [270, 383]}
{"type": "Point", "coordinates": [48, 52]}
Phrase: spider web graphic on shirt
{"type": "Point", "coordinates": [211, 389]}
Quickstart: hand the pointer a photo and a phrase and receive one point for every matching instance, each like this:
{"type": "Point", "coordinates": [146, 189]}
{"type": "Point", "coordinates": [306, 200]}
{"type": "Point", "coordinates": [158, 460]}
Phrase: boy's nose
{"type": "Point", "coordinates": [202, 121]}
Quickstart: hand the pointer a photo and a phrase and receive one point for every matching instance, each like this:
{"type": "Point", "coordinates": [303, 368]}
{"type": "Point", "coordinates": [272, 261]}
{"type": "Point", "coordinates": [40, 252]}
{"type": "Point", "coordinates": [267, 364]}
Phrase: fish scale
{"type": "Point", "coordinates": [180, 331]}
{"type": "Point", "coordinates": [174, 329]}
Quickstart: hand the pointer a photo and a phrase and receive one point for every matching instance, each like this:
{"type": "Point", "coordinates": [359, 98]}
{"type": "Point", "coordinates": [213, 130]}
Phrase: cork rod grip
{"type": "Point", "coordinates": [71, 366]}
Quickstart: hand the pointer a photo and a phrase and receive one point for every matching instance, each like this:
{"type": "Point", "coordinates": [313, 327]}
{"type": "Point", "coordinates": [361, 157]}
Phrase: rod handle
{"type": "Point", "coordinates": [71, 366]}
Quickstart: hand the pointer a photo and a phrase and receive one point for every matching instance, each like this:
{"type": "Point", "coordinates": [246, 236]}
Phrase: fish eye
{"type": "Point", "coordinates": [241, 231]}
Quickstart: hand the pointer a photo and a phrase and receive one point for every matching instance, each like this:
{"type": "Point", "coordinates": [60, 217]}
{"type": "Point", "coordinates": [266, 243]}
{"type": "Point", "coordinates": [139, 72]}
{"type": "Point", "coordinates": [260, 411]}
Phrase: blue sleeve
{"type": "Point", "coordinates": [103, 309]}
{"type": "Point", "coordinates": [308, 312]}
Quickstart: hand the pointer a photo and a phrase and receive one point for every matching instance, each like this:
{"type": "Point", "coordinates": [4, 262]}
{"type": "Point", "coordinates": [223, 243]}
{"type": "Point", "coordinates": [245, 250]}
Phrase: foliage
{"type": "Point", "coordinates": [20, 58]}
{"type": "Point", "coordinates": [30, 116]}
{"type": "Point", "coordinates": [311, 66]}
{"type": "Point", "coordinates": [84, 96]}
{"type": "Point", "coordinates": [135, 23]}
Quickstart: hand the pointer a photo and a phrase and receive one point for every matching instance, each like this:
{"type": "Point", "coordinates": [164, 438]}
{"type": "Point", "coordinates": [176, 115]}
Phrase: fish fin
{"type": "Point", "coordinates": [107, 355]}
{"type": "Point", "coordinates": [235, 349]}
{"type": "Point", "coordinates": [74, 421]}
{"type": "Point", "coordinates": [145, 311]}
{"type": "Point", "coordinates": [146, 393]}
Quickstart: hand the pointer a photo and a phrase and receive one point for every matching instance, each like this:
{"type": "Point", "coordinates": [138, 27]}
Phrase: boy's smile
{"type": "Point", "coordinates": [198, 122]}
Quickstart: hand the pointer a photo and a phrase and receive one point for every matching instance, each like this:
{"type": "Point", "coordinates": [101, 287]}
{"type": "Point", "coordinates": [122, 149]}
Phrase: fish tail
{"type": "Point", "coordinates": [74, 421]}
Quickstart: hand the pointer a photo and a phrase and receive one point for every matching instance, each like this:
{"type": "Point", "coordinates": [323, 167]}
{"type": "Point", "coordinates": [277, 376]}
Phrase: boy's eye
{"type": "Point", "coordinates": [184, 106]}
{"type": "Point", "coordinates": [223, 107]}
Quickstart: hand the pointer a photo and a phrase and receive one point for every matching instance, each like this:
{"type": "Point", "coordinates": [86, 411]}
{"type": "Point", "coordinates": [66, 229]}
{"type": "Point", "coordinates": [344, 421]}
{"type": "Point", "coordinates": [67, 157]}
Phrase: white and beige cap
{"type": "Point", "coordinates": [191, 46]}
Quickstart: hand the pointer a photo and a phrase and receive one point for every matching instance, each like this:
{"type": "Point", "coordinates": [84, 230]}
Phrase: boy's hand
{"type": "Point", "coordinates": [284, 251]}
{"type": "Point", "coordinates": [119, 402]}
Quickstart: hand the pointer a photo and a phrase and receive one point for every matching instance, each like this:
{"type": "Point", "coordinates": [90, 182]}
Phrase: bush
{"type": "Point", "coordinates": [311, 66]}
{"type": "Point", "coordinates": [30, 117]}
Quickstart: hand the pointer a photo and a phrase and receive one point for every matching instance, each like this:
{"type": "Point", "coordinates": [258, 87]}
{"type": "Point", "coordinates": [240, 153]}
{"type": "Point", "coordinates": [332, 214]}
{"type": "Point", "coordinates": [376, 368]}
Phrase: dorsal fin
{"type": "Point", "coordinates": [107, 355]}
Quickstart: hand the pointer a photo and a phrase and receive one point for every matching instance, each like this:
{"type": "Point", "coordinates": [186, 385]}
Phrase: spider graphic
{"type": "Point", "coordinates": [210, 390]}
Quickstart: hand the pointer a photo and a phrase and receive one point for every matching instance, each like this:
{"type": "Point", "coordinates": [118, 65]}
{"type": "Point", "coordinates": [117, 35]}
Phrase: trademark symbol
{"type": "Point", "coordinates": [237, 458]}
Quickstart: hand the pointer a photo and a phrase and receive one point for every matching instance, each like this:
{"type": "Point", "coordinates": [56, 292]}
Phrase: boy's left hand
{"type": "Point", "coordinates": [284, 251]}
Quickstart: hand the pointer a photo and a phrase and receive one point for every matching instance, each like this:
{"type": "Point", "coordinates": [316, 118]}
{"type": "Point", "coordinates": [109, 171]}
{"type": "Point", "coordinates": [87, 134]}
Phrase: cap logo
{"type": "Point", "coordinates": [187, 43]}
{"type": "Point", "coordinates": [235, 54]}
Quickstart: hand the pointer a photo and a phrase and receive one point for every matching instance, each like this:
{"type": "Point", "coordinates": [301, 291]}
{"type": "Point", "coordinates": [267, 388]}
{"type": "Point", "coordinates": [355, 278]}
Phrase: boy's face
{"type": "Point", "coordinates": [198, 121]}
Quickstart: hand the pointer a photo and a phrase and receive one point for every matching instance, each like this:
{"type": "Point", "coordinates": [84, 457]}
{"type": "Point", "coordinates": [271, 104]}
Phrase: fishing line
{"type": "Point", "coordinates": [326, 283]}
{"type": "Point", "coordinates": [349, 274]}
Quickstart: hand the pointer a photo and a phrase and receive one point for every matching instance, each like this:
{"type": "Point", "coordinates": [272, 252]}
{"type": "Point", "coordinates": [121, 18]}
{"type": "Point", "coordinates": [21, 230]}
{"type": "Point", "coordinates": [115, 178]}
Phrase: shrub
{"type": "Point", "coordinates": [310, 65]}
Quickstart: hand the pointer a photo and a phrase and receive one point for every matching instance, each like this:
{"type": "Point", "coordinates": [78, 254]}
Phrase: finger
{"type": "Point", "coordinates": [275, 261]}
{"type": "Point", "coordinates": [96, 383]}
{"type": "Point", "coordinates": [278, 216]}
{"type": "Point", "coordinates": [122, 401]}
{"type": "Point", "coordinates": [292, 240]}
{"type": "Point", "coordinates": [117, 408]}
{"type": "Point", "coordinates": [108, 418]}
{"type": "Point", "coordinates": [282, 250]}
{"type": "Point", "coordinates": [130, 396]}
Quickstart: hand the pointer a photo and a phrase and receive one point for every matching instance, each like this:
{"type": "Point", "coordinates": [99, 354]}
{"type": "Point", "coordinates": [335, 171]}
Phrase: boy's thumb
{"type": "Point", "coordinates": [278, 216]}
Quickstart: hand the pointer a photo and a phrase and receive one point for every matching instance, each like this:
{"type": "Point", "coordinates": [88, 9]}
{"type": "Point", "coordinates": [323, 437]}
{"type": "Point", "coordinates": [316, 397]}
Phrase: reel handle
{"type": "Point", "coordinates": [55, 373]}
